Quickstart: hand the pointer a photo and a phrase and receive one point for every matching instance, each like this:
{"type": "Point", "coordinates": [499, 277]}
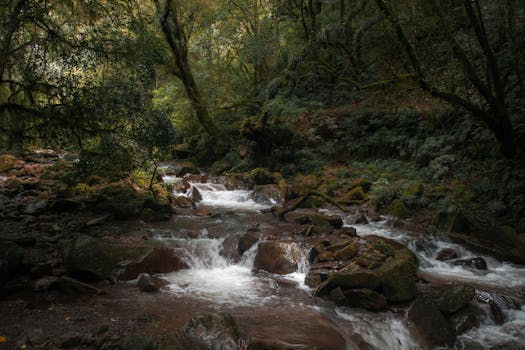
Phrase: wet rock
{"type": "Point", "coordinates": [355, 278]}
{"type": "Point", "coordinates": [266, 194]}
{"type": "Point", "coordinates": [475, 263]}
{"type": "Point", "coordinates": [397, 273]}
{"type": "Point", "coordinates": [361, 220]}
{"type": "Point", "coordinates": [149, 284]}
{"type": "Point", "coordinates": [229, 248]}
{"type": "Point", "coordinates": [348, 252]}
{"type": "Point", "coordinates": [156, 260]}
{"type": "Point", "coordinates": [498, 304]}
{"type": "Point", "coordinates": [446, 254]}
{"type": "Point", "coordinates": [449, 298]}
{"type": "Point", "coordinates": [273, 344]}
{"type": "Point", "coordinates": [246, 241]}
{"type": "Point", "coordinates": [364, 298]}
{"type": "Point", "coordinates": [466, 319]}
{"type": "Point", "coordinates": [430, 325]}
{"type": "Point", "coordinates": [93, 259]}
{"type": "Point", "coordinates": [214, 331]}
{"type": "Point", "coordinates": [195, 195]}
{"type": "Point", "coordinates": [347, 231]}
{"type": "Point", "coordinates": [275, 257]}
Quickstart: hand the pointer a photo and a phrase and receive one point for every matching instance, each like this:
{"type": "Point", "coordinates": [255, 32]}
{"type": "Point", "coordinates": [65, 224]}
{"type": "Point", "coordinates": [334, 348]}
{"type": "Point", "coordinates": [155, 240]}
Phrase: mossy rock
{"type": "Point", "coordinates": [348, 252]}
{"type": "Point", "coordinates": [398, 273]}
{"type": "Point", "coordinates": [261, 176]}
{"type": "Point", "coordinates": [119, 199]}
{"type": "Point", "coordinates": [355, 278]}
{"type": "Point", "coordinates": [398, 209]}
{"type": "Point", "coordinates": [450, 298]}
{"type": "Point", "coordinates": [355, 194]}
{"type": "Point", "coordinates": [398, 276]}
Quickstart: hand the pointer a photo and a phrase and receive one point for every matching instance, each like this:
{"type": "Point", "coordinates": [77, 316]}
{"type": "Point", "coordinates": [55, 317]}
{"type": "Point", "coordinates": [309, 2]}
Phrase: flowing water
{"type": "Point", "coordinates": [281, 307]}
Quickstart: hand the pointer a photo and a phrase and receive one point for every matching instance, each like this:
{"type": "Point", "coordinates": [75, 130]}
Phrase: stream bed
{"type": "Point", "coordinates": [282, 307]}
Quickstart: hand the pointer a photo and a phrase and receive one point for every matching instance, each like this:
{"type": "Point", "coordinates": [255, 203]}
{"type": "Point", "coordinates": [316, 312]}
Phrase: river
{"type": "Point", "coordinates": [282, 307]}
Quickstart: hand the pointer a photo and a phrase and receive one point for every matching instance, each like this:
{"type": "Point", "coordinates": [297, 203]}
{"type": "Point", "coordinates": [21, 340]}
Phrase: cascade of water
{"type": "Point", "coordinates": [386, 331]}
{"type": "Point", "coordinates": [217, 195]}
{"type": "Point", "coordinates": [497, 274]}
{"type": "Point", "coordinates": [502, 276]}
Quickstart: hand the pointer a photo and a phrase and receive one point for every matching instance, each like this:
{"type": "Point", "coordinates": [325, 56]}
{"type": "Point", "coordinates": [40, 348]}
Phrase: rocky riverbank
{"type": "Point", "coordinates": [84, 258]}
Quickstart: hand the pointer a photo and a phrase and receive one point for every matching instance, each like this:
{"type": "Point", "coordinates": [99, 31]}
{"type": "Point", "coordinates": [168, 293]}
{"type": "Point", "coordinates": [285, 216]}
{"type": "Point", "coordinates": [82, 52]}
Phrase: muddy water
{"type": "Point", "coordinates": [281, 307]}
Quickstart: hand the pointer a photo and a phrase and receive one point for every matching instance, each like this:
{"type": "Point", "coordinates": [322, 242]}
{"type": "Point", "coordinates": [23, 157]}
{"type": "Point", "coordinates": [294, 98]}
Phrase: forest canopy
{"type": "Point", "coordinates": [287, 84]}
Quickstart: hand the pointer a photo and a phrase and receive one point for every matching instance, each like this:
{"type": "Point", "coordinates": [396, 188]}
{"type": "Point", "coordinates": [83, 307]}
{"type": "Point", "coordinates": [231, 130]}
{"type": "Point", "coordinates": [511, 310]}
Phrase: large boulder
{"type": "Point", "coordinates": [448, 298]}
{"type": "Point", "coordinates": [431, 327]}
{"type": "Point", "coordinates": [156, 260]}
{"type": "Point", "coordinates": [124, 201]}
{"type": "Point", "coordinates": [246, 241]}
{"type": "Point", "coordinates": [89, 258]}
{"type": "Point", "coordinates": [276, 257]}
{"type": "Point", "coordinates": [362, 297]}
{"type": "Point", "coordinates": [398, 272]}
{"type": "Point", "coordinates": [367, 272]}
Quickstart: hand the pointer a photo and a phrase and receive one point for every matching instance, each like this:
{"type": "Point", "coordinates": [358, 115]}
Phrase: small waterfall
{"type": "Point", "coordinates": [509, 335]}
{"type": "Point", "coordinates": [504, 277]}
{"type": "Point", "coordinates": [213, 277]}
{"type": "Point", "coordinates": [217, 195]}
{"type": "Point", "coordinates": [383, 331]}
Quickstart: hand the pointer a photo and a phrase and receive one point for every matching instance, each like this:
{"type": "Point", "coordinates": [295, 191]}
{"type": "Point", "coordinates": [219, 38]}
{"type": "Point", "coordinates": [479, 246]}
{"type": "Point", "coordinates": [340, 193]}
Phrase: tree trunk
{"type": "Point", "coordinates": [178, 42]}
